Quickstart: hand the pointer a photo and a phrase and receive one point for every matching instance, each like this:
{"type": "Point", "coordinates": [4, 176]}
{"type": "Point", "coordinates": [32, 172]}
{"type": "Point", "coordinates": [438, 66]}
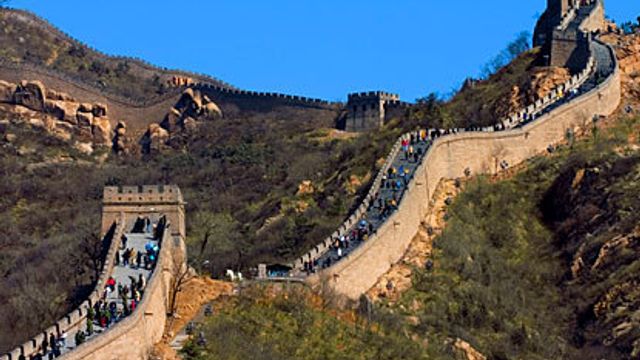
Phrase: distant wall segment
{"type": "Point", "coordinates": [449, 157]}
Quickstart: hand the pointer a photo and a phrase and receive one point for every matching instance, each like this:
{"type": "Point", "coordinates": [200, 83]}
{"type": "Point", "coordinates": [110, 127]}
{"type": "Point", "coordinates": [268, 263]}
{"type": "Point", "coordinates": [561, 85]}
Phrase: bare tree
{"type": "Point", "coordinates": [180, 275]}
{"type": "Point", "coordinates": [93, 248]}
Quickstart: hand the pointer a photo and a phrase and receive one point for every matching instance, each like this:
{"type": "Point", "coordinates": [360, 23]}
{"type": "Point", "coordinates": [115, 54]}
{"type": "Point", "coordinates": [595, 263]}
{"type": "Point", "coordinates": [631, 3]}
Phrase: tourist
{"type": "Point", "coordinates": [133, 285]}
{"type": "Point", "coordinates": [111, 283]}
{"type": "Point", "coordinates": [124, 241]}
{"type": "Point", "coordinates": [80, 337]}
{"type": "Point", "coordinates": [133, 256]}
{"type": "Point", "coordinates": [138, 259]}
{"type": "Point", "coordinates": [117, 259]}
{"type": "Point", "coordinates": [63, 339]}
{"type": "Point", "coordinates": [52, 341]}
{"type": "Point", "coordinates": [125, 257]}
{"type": "Point", "coordinates": [142, 282]}
{"type": "Point", "coordinates": [45, 345]}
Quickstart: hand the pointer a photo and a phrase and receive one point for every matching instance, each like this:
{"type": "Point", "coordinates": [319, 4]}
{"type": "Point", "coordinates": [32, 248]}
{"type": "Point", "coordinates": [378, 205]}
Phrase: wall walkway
{"type": "Point", "coordinates": [595, 92]}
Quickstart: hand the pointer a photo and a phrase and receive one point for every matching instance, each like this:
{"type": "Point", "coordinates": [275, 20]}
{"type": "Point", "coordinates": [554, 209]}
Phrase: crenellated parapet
{"type": "Point", "coordinates": [369, 110]}
{"type": "Point", "coordinates": [565, 31]}
{"type": "Point", "coordinates": [152, 201]}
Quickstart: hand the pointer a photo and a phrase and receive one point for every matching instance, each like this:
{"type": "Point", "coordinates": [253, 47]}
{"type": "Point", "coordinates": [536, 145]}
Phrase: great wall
{"type": "Point", "coordinates": [592, 92]}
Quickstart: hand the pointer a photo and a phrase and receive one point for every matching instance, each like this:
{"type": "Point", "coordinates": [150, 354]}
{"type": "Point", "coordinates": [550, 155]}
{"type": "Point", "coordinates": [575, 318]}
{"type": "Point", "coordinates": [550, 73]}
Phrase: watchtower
{"type": "Point", "coordinates": [550, 19]}
{"type": "Point", "coordinates": [153, 201]}
{"type": "Point", "coordinates": [368, 110]}
{"type": "Point", "coordinates": [564, 31]}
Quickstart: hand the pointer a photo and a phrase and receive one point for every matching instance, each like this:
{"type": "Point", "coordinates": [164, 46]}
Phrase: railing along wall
{"type": "Point", "coordinates": [516, 119]}
{"type": "Point", "coordinates": [359, 270]}
{"type": "Point", "coordinates": [127, 332]}
{"type": "Point", "coordinates": [77, 316]}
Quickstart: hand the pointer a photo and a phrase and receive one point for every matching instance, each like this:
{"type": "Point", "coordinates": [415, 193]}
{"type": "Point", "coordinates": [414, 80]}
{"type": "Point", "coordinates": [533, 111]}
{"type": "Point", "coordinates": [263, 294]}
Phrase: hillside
{"type": "Point", "coordinates": [263, 183]}
{"type": "Point", "coordinates": [540, 264]}
{"type": "Point", "coordinates": [29, 40]}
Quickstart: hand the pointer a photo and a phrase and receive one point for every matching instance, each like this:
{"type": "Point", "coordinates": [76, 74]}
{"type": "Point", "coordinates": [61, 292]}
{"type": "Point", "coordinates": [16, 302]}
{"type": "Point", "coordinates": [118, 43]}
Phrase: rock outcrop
{"type": "Point", "coordinates": [120, 139]}
{"type": "Point", "coordinates": [58, 113]}
{"type": "Point", "coordinates": [31, 94]}
{"type": "Point", "coordinates": [155, 139]}
{"type": "Point", "coordinates": [189, 110]}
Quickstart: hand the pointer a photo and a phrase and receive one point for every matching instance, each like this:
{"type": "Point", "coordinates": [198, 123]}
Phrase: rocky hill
{"type": "Point", "coordinates": [264, 181]}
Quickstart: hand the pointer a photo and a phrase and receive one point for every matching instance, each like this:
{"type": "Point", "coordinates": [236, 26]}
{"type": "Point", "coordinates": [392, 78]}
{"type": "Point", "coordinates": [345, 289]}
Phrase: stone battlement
{"type": "Point", "coordinates": [147, 194]}
{"type": "Point", "coordinates": [148, 200]}
{"type": "Point", "coordinates": [363, 96]}
{"type": "Point", "coordinates": [368, 110]}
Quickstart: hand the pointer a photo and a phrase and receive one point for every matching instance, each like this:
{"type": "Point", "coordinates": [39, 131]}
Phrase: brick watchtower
{"type": "Point", "coordinates": [550, 19]}
{"type": "Point", "coordinates": [564, 32]}
{"type": "Point", "coordinates": [145, 201]}
{"type": "Point", "coordinates": [368, 110]}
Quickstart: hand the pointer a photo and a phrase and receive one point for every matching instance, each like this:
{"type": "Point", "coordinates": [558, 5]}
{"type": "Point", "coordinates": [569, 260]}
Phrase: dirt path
{"type": "Point", "coordinates": [197, 292]}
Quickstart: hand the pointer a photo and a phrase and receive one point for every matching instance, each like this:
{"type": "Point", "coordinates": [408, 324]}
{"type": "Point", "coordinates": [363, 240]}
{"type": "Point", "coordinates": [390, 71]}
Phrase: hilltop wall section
{"type": "Point", "coordinates": [259, 101]}
{"type": "Point", "coordinates": [449, 157]}
{"type": "Point", "coordinates": [140, 65]}
{"type": "Point", "coordinates": [139, 113]}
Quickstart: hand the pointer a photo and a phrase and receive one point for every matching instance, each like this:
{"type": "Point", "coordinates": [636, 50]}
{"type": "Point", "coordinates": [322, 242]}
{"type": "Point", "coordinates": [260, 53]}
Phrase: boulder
{"type": "Point", "coordinates": [99, 110]}
{"type": "Point", "coordinates": [464, 350]}
{"type": "Point", "coordinates": [10, 138]}
{"type": "Point", "coordinates": [63, 110]}
{"type": "Point", "coordinates": [171, 120]}
{"type": "Point", "coordinates": [4, 126]}
{"type": "Point", "coordinates": [60, 96]}
{"type": "Point", "coordinates": [83, 147]}
{"type": "Point", "coordinates": [63, 131]}
{"type": "Point", "coordinates": [212, 111]}
{"type": "Point", "coordinates": [189, 124]}
{"type": "Point", "coordinates": [190, 102]}
{"type": "Point", "coordinates": [120, 140]}
{"type": "Point", "coordinates": [7, 90]}
{"type": "Point", "coordinates": [31, 94]}
{"type": "Point", "coordinates": [86, 107]}
{"type": "Point", "coordinates": [121, 128]}
{"type": "Point", "coordinates": [154, 139]}
{"type": "Point", "coordinates": [101, 130]}
{"type": "Point", "coordinates": [85, 119]}
{"type": "Point", "coordinates": [37, 123]}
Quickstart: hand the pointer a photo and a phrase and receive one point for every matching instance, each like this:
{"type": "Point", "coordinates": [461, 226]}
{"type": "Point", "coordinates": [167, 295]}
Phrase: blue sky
{"type": "Point", "coordinates": [322, 49]}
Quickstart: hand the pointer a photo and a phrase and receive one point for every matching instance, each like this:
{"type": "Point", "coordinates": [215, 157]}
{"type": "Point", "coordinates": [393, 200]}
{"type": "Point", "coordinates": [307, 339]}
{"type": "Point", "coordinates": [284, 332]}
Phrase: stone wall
{"type": "Point", "coordinates": [133, 337]}
{"type": "Point", "coordinates": [448, 157]}
{"type": "Point", "coordinates": [78, 316]}
{"type": "Point", "coordinates": [539, 107]}
{"type": "Point", "coordinates": [595, 22]}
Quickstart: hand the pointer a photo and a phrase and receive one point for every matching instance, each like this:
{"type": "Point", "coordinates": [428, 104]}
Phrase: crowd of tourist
{"type": "Point", "coordinates": [119, 297]}
{"type": "Point", "coordinates": [394, 181]}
